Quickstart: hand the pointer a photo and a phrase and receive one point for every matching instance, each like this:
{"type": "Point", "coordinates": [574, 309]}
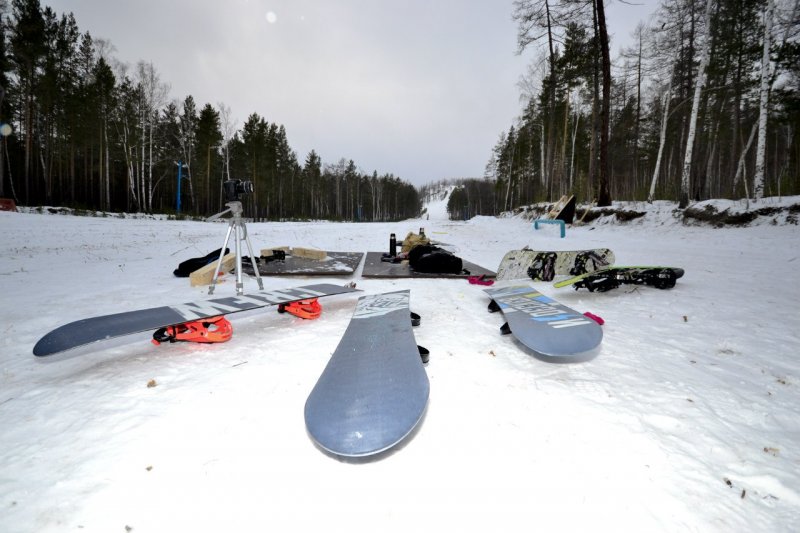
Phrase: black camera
{"type": "Point", "coordinates": [234, 189]}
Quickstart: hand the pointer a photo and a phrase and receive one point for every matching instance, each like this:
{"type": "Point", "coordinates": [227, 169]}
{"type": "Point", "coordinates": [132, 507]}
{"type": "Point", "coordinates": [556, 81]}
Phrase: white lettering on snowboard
{"type": "Point", "coordinates": [195, 310]}
{"type": "Point", "coordinates": [544, 312]}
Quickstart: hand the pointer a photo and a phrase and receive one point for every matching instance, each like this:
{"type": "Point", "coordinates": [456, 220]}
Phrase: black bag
{"type": "Point", "coordinates": [434, 260]}
{"type": "Point", "coordinates": [190, 265]}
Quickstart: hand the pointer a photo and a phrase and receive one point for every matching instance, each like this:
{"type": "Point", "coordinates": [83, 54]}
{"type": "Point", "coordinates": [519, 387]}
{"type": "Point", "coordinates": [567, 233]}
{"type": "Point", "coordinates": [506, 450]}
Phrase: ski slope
{"type": "Point", "coordinates": [686, 420]}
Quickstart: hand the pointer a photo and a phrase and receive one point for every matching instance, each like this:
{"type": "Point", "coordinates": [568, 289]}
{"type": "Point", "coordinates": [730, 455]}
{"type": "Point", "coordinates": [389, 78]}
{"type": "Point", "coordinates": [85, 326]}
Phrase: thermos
{"type": "Point", "coordinates": [392, 245]}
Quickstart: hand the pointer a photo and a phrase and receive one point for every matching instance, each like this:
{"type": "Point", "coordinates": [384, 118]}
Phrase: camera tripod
{"type": "Point", "coordinates": [237, 227]}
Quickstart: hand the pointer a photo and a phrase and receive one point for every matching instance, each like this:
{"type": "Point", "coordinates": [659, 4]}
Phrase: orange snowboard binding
{"type": "Point", "coordinates": [214, 329]}
{"type": "Point", "coordinates": [308, 309]}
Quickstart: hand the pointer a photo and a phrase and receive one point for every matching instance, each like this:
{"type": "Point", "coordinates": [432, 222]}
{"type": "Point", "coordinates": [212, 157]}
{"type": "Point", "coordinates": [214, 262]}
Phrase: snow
{"type": "Point", "coordinates": [686, 420]}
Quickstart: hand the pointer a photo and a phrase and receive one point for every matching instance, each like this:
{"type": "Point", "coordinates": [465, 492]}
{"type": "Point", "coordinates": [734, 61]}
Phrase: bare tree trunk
{"type": "Point", "coordinates": [705, 54]}
{"type": "Point", "coordinates": [543, 177]}
{"type": "Point", "coordinates": [228, 131]}
{"type": "Point", "coordinates": [574, 137]}
{"type": "Point", "coordinates": [742, 157]}
{"type": "Point", "coordinates": [108, 165]}
{"type": "Point", "coordinates": [638, 108]}
{"type": "Point", "coordinates": [662, 140]}
{"type": "Point", "coordinates": [763, 110]}
{"type": "Point", "coordinates": [551, 103]}
{"type": "Point", "coordinates": [603, 193]}
{"type": "Point", "coordinates": [150, 169]}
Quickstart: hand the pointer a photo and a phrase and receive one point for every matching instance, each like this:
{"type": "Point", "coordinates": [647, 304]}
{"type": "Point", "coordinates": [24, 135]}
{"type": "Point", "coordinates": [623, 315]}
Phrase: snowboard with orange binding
{"type": "Point", "coordinates": [193, 321]}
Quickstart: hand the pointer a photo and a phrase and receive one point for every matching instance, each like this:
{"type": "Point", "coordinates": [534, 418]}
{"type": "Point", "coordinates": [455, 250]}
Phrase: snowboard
{"type": "Point", "coordinates": [545, 265]}
{"type": "Point", "coordinates": [546, 327]}
{"type": "Point", "coordinates": [612, 277]}
{"type": "Point", "coordinates": [100, 328]}
{"type": "Point", "coordinates": [374, 389]}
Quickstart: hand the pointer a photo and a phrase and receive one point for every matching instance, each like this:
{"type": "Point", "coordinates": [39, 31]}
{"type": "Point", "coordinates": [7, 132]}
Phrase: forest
{"type": "Point", "coordinates": [705, 104]}
{"type": "Point", "coordinates": [80, 129]}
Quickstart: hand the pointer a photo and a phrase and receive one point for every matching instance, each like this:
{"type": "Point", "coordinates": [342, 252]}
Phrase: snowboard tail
{"type": "Point", "coordinates": [374, 390]}
{"type": "Point", "coordinates": [100, 328]}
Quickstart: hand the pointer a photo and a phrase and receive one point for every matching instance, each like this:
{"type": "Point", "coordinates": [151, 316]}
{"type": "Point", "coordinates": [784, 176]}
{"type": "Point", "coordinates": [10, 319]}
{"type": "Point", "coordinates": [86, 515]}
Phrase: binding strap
{"type": "Point", "coordinates": [308, 309]}
{"type": "Point", "coordinates": [214, 329]}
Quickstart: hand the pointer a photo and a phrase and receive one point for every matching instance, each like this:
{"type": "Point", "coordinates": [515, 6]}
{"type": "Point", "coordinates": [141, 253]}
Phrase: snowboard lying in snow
{"type": "Point", "coordinates": [612, 277]}
{"type": "Point", "coordinates": [374, 390]}
{"type": "Point", "coordinates": [545, 265]}
{"type": "Point", "coordinates": [545, 326]}
{"type": "Point", "coordinates": [100, 328]}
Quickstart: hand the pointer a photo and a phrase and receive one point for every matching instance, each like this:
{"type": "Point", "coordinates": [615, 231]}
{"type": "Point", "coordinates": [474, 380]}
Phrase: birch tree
{"type": "Point", "coordinates": [153, 97]}
{"type": "Point", "coordinates": [698, 89]}
{"type": "Point", "coordinates": [665, 99]}
{"type": "Point", "coordinates": [228, 128]}
{"type": "Point", "coordinates": [763, 106]}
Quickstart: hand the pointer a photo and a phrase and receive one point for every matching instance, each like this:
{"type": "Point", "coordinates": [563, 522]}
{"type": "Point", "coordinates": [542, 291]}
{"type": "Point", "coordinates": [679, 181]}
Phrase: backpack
{"type": "Point", "coordinates": [190, 265]}
{"type": "Point", "coordinates": [434, 260]}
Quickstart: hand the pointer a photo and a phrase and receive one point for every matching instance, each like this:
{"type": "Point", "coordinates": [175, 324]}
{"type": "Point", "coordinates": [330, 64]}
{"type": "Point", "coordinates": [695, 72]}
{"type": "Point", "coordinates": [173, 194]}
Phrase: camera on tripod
{"type": "Point", "coordinates": [234, 189]}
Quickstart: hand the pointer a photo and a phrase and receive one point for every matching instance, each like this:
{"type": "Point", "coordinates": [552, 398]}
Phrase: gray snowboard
{"type": "Point", "coordinates": [544, 265]}
{"type": "Point", "coordinates": [99, 328]}
{"type": "Point", "coordinates": [546, 327]}
{"type": "Point", "coordinates": [374, 390]}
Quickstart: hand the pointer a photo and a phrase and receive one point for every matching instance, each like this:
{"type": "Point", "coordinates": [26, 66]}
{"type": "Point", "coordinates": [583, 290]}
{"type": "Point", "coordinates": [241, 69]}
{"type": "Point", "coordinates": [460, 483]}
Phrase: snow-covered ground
{"type": "Point", "coordinates": [687, 420]}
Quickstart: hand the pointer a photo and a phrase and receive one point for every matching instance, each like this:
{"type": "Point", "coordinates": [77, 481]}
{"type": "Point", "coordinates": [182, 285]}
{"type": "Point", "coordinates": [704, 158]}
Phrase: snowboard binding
{"type": "Point", "coordinates": [214, 329]}
{"type": "Point", "coordinates": [598, 283]}
{"type": "Point", "coordinates": [582, 263]}
{"type": "Point", "coordinates": [543, 267]}
{"type": "Point", "coordinates": [663, 278]}
{"type": "Point", "coordinates": [308, 309]}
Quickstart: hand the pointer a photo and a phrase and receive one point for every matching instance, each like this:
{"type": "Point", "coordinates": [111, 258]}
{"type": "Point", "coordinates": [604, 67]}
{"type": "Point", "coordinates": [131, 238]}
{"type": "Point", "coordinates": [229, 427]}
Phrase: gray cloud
{"type": "Point", "coordinates": [420, 89]}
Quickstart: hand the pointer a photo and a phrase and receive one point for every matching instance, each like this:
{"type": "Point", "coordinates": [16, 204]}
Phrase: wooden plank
{"type": "Point", "coordinates": [297, 251]}
{"type": "Point", "coordinates": [309, 253]}
{"type": "Point", "coordinates": [267, 252]}
{"type": "Point", "coordinates": [204, 275]}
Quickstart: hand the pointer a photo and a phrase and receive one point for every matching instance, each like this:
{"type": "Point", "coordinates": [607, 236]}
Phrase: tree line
{"type": "Point", "coordinates": [81, 129]}
{"type": "Point", "coordinates": [706, 103]}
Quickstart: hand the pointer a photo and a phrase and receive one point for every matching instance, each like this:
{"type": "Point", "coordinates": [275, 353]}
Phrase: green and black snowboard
{"type": "Point", "coordinates": [660, 277]}
{"type": "Point", "coordinates": [545, 265]}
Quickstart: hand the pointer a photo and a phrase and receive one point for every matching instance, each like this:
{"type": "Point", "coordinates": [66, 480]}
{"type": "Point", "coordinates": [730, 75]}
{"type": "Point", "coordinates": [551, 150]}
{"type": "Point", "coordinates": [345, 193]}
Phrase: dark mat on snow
{"type": "Point", "coordinates": [336, 264]}
{"type": "Point", "coordinates": [375, 268]}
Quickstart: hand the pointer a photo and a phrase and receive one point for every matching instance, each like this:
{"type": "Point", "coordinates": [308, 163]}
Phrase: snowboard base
{"type": "Point", "coordinates": [374, 390]}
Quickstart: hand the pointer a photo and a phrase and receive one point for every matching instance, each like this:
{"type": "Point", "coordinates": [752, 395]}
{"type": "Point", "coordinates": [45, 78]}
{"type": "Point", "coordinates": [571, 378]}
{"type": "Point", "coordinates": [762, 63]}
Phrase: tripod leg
{"type": "Point", "coordinates": [252, 258]}
{"type": "Point", "coordinates": [239, 283]}
{"type": "Point", "coordinates": [219, 261]}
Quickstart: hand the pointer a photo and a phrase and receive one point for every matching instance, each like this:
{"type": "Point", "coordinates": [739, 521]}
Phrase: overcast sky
{"type": "Point", "coordinates": [421, 89]}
